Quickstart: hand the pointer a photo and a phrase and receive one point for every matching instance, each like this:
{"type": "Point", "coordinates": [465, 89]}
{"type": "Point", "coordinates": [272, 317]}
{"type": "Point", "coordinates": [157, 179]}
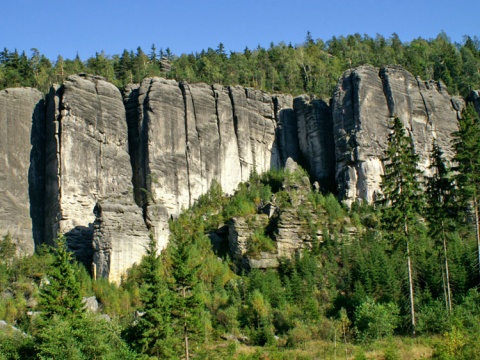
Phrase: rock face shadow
{"type": "Point", "coordinates": [36, 173]}
{"type": "Point", "coordinates": [80, 242]}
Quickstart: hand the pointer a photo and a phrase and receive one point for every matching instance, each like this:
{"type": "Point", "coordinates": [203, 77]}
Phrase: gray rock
{"type": "Point", "coordinates": [107, 170]}
{"type": "Point", "coordinates": [187, 136]}
{"type": "Point", "coordinates": [6, 327]}
{"type": "Point", "coordinates": [474, 97]}
{"type": "Point", "coordinates": [22, 119]}
{"type": "Point", "coordinates": [315, 137]}
{"type": "Point", "coordinates": [365, 101]}
{"type": "Point", "coordinates": [87, 163]}
{"type": "Point", "coordinates": [90, 304]}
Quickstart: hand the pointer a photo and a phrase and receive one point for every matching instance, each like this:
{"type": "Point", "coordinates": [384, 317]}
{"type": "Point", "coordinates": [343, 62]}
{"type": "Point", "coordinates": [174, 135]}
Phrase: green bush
{"type": "Point", "coordinates": [433, 318]}
{"type": "Point", "coordinates": [85, 337]}
{"type": "Point", "coordinates": [375, 321]}
{"type": "Point", "coordinates": [259, 242]}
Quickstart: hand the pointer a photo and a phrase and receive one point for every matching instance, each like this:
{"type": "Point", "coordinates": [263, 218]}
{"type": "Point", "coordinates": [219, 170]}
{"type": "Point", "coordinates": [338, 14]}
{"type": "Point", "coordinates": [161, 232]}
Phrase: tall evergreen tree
{"type": "Point", "coordinates": [441, 211]}
{"type": "Point", "coordinates": [187, 310]}
{"type": "Point", "coordinates": [153, 333]}
{"type": "Point", "coordinates": [467, 146]}
{"type": "Point", "coordinates": [402, 201]}
{"type": "Point", "coordinates": [61, 295]}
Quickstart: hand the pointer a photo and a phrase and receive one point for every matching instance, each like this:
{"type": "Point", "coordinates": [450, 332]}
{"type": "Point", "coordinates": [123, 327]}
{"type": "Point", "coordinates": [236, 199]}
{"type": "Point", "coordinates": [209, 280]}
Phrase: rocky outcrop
{"type": "Point", "coordinates": [365, 102]}
{"type": "Point", "coordinates": [22, 118]}
{"type": "Point", "coordinates": [285, 229]}
{"type": "Point", "coordinates": [88, 167]}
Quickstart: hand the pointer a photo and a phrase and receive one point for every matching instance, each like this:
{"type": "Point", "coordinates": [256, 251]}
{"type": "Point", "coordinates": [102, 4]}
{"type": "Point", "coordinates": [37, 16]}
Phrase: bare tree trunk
{"type": "Point", "coordinates": [445, 296]}
{"type": "Point", "coordinates": [447, 272]}
{"type": "Point", "coordinates": [477, 233]}
{"type": "Point", "coordinates": [185, 329]}
{"type": "Point", "coordinates": [410, 281]}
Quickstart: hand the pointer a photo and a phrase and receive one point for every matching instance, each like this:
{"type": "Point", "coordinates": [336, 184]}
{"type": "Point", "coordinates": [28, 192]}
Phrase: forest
{"type": "Point", "coordinates": [397, 279]}
{"type": "Point", "coordinates": [311, 67]}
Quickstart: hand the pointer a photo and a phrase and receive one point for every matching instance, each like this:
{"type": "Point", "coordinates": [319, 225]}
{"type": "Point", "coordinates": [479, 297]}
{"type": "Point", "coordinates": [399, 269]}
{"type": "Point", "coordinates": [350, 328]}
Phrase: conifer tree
{"type": "Point", "coordinates": [187, 309]}
{"type": "Point", "coordinates": [441, 211]}
{"type": "Point", "coordinates": [467, 146]}
{"type": "Point", "coordinates": [153, 334]}
{"type": "Point", "coordinates": [401, 197]}
{"type": "Point", "coordinates": [61, 295]}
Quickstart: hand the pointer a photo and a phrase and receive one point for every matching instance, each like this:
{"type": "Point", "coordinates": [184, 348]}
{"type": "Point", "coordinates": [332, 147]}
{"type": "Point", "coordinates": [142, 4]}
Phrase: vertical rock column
{"type": "Point", "coordinates": [360, 117]}
{"type": "Point", "coordinates": [21, 166]}
{"type": "Point", "coordinates": [254, 119]}
{"type": "Point", "coordinates": [87, 168]}
{"type": "Point", "coordinates": [425, 108]}
{"type": "Point", "coordinates": [315, 137]}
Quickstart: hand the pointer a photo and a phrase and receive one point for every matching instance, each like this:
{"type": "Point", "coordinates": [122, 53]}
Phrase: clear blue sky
{"type": "Point", "coordinates": [86, 26]}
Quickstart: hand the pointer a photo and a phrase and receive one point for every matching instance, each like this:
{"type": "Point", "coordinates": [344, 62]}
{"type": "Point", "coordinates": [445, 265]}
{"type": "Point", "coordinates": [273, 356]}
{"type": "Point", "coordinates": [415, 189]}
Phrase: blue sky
{"type": "Point", "coordinates": [85, 26]}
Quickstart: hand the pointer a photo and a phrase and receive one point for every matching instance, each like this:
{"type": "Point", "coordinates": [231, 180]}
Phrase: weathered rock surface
{"type": "Point", "coordinates": [187, 136]}
{"type": "Point", "coordinates": [290, 232]}
{"type": "Point", "coordinates": [474, 97]}
{"type": "Point", "coordinates": [22, 119]}
{"type": "Point", "coordinates": [240, 231]}
{"type": "Point", "coordinates": [106, 169]}
{"type": "Point", "coordinates": [314, 134]}
{"type": "Point", "coordinates": [87, 163]}
{"type": "Point", "coordinates": [365, 101]}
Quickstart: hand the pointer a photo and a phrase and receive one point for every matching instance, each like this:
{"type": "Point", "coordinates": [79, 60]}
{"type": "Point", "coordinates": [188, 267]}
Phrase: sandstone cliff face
{"type": "Point", "coordinates": [187, 136]}
{"type": "Point", "coordinates": [106, 169]}
{"type": "Point", "coordinates": [21, 166]}
{"type": "Point", "coordinates": [364, 103]}
{"type": "Point", "coordinates": [87, 168]}
{"type": "Point", "coordinates": [314, 136]}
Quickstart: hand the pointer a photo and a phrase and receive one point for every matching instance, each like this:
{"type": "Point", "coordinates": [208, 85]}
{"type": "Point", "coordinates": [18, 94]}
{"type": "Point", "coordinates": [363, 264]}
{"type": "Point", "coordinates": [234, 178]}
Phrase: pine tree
{"type": "Point", "coordinates": [61, 295]}
{"type": "Point", "coordinates": [401, 201]}
{"type": "Point", "coordinates": [467, 146]}
{"type": "Point", "coordinates": [441, 211]}
{"type": "Point", "coordinates": [153, 334]}
{"type": "Point", "coordinates": [187, 309]}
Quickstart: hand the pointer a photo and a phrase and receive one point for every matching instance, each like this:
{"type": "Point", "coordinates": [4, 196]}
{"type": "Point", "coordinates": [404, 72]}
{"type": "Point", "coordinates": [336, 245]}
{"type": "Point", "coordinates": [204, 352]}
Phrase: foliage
{"type": "Point", "coordinates": [350, 280]}
{"type": "Point", "coordinates": [152, 334]}
{"type": "Point", "coordinates": [60, 294]}
{"type": "Point", "coordinates": [467, 146]}
{"type": "Point", "coordinates": [259, 242]}
{"type": "Point", "coordinates": [402, 201]}
{"type": "Point", "coordinates": [80, 337]}
{"type": "Point", "coordinates": [374, 320]}
{"type": "Point", "coordinates": [311, 67]}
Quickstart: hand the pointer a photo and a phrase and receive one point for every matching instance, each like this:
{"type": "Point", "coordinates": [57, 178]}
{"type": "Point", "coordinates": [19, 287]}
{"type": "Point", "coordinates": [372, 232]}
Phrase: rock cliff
{"type": "Point", "coordinates": [364, 103]}
{"type": "Point", "coordinates": [87, 168]}
{"type": "Point", "coordinates": [22, 119]}
{"type": "Point", "coordinates": [183, 137]}
{"type": "Point", "coordinates": [107, 169]}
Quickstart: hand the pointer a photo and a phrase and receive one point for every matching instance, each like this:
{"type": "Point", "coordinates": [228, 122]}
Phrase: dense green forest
{"type": "Point", "coordinates": [312, 67]}
{"type": "Point", "coordinates": [397, 279]}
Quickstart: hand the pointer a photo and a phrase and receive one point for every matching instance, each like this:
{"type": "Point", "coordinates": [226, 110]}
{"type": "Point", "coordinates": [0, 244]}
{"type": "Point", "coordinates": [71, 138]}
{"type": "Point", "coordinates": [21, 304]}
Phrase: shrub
{"type": "Point", "coordinates": [375, 321]}
{"type": "Point", "coordinates": [259, 242]}
{"type": "Point", "coordinates": [433, 318]}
